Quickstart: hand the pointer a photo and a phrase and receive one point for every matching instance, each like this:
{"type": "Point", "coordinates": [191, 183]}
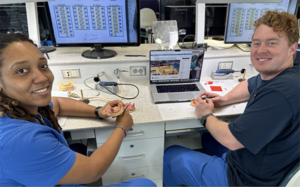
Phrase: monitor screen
{"type": "Point", "coordinates": [298, 14]}
{"type": "Point", "coordinates": [185, 15]}
{"type": "Point", "coordinates": [164, 3]}
{"type": "Point", "coordinates": [240, 18]}
{"type": "Point", "coordinates": [176, 65]}
{"type": "Point", "coordinates": [95, 23]}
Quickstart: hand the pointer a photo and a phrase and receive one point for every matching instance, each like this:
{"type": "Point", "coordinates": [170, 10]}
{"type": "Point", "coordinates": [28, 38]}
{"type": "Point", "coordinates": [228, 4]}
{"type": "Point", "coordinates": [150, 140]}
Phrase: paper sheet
{"type": "Point", "coordinates": [220, 87]}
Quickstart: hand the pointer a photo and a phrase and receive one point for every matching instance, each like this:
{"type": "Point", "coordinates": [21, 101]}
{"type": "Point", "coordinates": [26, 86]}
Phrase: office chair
{"type": "Point", "coordinates": [293, 177]}
{"type": "Point", "coordinates": [147, 16]}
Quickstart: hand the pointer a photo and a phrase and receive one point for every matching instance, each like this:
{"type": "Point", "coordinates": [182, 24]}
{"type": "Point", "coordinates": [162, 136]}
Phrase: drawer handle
{"type": "Point", "coordinates": [134, 157]}
{"type": "Point", "coordinates": [135, 134]}
{"type": "Point", "coordinates": [134, 177]}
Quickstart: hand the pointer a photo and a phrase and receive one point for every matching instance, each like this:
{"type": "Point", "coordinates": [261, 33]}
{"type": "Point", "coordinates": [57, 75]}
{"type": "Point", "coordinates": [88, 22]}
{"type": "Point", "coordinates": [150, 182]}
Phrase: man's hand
{"type": "Point", "coordinates": [215, 98]}
{"type": "Point", "coordinates": [203, 106]}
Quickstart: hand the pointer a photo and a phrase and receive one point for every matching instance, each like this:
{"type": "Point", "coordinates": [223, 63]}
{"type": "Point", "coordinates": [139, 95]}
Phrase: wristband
{"type": "Point", "coordinates": [203, 119]}
{"type": "Point", "coordinates": [123, 130]}
{"type": "Point", "coordinates": [96, 112]}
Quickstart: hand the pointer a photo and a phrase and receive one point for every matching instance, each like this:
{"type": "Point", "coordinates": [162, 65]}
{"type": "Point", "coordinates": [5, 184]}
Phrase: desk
{"type": "Point", "coordinates": [141, 153]}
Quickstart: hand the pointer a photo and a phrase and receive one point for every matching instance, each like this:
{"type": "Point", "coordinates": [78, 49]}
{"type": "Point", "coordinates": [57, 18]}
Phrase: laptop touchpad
{"type": "Point", "coordinates": [180, 96]}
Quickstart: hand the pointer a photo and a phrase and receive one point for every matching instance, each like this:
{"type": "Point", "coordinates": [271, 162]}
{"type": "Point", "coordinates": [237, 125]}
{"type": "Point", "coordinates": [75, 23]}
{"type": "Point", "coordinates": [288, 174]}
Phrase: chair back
{"type": "Point", "coordinates": [293, 177]}
{"type": "Point", "coordinates": [147, 16]}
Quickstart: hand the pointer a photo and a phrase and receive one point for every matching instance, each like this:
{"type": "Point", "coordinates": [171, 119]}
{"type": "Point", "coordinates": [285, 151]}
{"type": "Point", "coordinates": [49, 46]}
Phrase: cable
{"type": "Point", "coordinates": [91, 87]}
{"type": "Point", "coordinates": [183, 46]}
{"type": "Point", "coordinates": [119, 85]}
{"type": "Point", "coordinates": [122, 91]}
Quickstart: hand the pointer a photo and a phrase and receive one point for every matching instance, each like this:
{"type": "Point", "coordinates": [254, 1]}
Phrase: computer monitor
{"type": "Point", "coordinates": [185, 15]}
{"type": "Point", "coordinates": [240, 18]}
{"type": "Point", "coordinates": [298, 14]}
{"type": "Point", "coordinates": [164, 3]}
{"type": "Point", "coordinates": [96, 24]}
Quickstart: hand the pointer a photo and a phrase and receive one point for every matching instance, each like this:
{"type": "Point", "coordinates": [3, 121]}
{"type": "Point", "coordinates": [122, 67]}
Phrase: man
{"type": "Point", "coordinates": [262, 144]}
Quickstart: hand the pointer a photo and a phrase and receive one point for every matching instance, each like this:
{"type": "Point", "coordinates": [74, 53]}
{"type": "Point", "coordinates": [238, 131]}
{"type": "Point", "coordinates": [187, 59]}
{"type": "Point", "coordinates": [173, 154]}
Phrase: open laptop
{"type": "Point", "coordinates": [175, 75]}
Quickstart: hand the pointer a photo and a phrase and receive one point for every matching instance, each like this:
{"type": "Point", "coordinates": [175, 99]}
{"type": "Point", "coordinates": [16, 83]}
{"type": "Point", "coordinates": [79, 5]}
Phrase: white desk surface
{"type": "Point", "coordinates": [72, 55]}
{"type": "Point", "coordinates": [146, 110]}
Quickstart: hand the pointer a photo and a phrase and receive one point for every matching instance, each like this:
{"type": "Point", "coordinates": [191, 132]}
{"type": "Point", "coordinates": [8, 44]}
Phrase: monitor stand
{"type": "Point", "coordinates": [47, 49]}
{"type": "Point", "coordinates": [99, 53]}
{"type": "Point", "coordinates": [244, 47]}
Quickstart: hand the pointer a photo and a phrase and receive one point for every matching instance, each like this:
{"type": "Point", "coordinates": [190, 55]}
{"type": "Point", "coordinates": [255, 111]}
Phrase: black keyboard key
{"type": "Point", "coordinates": [177, 88]}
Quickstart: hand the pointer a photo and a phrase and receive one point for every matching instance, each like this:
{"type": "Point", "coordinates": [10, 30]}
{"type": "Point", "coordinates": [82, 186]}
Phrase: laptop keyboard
{"type": "Point", "coordinates": [177, 88]}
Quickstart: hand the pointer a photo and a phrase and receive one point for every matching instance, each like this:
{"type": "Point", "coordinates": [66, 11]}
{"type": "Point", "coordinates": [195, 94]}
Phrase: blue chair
{"type": "Point", "coordinates": [293, 177]}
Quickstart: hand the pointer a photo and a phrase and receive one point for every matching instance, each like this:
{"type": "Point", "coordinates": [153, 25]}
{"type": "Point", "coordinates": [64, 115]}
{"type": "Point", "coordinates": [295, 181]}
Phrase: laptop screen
{"type": "Point", "coordinates": [176, 65]}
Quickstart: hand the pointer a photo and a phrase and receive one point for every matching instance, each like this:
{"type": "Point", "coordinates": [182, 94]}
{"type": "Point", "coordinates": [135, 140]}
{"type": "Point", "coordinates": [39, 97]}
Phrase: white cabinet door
{"type": "Point", "coordinates": [152, 173]}
{"type": "Point", "coordinates": [139, 153]}
{"type": "Point", "coordinates": [139, 131]}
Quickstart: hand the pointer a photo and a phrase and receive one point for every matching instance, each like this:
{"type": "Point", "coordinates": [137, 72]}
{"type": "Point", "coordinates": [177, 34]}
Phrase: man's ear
{"type": "Point", "coordinates": [293, 48]}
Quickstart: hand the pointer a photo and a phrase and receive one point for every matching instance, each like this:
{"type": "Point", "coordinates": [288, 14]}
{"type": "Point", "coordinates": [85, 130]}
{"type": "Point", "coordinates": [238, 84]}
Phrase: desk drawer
{"type": "Point", "coordinates": [149, 130]}
{"type": "Point", "coordinates": [152, 173]}
{"type": "Point", "coordinates": [183, 124]}
{"type": "Point", "coordinates": [82, 134]}
{"type": "Point", "coordinates": [138, 153]}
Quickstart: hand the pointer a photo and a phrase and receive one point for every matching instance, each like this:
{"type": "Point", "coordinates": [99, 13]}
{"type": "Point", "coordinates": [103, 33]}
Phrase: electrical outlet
{"type": "Point", "coordinates": [71, 73]}
{"type": "Point", "coordinates": [225, 65]}
{"type": "Point", "coordinates": [137, 70]}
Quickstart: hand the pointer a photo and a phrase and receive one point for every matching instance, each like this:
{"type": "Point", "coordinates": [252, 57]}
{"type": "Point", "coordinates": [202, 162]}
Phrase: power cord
{"type": "Point", "coordinates": [89, 86]}
{"type": "Point", "coordinates": [138, 91]}
{"type": "Point", "coordinates": [183, 46]}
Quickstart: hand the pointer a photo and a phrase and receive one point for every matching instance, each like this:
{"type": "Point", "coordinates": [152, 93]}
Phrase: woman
{"type": "Point", "coordinates": [33, 151]}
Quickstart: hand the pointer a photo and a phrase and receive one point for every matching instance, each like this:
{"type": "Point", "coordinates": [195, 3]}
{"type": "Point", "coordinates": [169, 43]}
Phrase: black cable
{"type": "Point", "coordinates": [125, 97]}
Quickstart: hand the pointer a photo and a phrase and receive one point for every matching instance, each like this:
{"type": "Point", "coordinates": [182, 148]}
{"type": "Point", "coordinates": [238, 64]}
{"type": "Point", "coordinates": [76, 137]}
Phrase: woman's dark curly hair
{"type": "Point", "coordinates": [281, 22]}
{"type": "Point", "coordinates": [11, 106]}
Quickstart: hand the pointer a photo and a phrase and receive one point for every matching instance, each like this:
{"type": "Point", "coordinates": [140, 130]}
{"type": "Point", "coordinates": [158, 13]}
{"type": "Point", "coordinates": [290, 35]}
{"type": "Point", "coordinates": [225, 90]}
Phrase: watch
{"type": "Point", "coordinates": [96, 112]}
{"type": "Point", "coordinates": [203, 119]}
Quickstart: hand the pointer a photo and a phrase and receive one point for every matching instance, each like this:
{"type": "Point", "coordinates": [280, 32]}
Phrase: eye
{"type": "Point", "coordinates": [21, 71]}
{"type": "Point", "coordinates": [45, 66]}
{"type": "Point", "coordinates": [255, 44]}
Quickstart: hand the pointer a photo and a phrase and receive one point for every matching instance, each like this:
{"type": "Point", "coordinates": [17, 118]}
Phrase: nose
{"type": "Point", "coordinates": [39, 76]}
{"type": "Point", "coordinates": [262, 48]}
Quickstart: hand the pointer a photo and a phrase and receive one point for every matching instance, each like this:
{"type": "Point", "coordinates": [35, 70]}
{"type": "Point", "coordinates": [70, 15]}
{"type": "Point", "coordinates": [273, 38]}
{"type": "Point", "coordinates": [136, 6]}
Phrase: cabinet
{"type": "Point", "coordinates": [140, 155]}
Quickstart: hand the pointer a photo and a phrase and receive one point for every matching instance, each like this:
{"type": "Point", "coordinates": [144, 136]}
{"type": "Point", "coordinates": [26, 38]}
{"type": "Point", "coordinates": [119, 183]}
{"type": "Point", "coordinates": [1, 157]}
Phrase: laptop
{"type": "Point", "coordinates": [175, 75]}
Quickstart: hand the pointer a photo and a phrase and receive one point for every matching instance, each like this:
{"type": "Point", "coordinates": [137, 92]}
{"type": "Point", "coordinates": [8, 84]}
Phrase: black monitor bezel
{"type": "Point", "coordinates": [214, 28]}
{"type": "Point", "coordinates": [93, 45]}
{"type": "Point", "coordinates": [244, 42]}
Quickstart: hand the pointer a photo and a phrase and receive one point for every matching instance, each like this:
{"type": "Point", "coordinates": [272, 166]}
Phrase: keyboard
{"type": "Point", "coordinates": [177, 88]}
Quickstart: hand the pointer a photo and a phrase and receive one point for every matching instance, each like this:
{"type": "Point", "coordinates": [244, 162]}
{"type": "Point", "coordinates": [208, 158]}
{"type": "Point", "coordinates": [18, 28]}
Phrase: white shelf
{"type": "Point", "coordinates": [20, 1]}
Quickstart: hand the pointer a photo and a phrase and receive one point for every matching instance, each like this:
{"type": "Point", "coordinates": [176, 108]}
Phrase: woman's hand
{"type": "Point", "coordinates": [103, 110]}
{"type": "Point", "coordinates": [125, 120]}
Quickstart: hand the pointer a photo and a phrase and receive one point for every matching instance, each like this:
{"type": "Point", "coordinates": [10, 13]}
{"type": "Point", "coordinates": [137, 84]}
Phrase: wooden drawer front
{"type": "Point", "coordinates": [153, 173]}
{"type": "Point", "coordinates": [149, 130]}
{"type": "Point", "coordinates": [139, 153]}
